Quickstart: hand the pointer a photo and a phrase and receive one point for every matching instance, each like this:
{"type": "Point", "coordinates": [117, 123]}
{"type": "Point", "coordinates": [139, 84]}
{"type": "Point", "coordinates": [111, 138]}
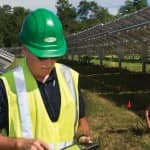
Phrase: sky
{"type": "Point", "coordinates": [111, 5]}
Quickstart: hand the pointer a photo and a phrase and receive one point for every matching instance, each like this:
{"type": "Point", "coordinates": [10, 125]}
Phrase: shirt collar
{"type": "Point", "coordinates": [51, 77]}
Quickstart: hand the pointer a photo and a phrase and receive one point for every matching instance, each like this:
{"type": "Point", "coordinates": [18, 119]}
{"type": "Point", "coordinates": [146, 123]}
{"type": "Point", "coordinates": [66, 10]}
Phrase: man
{"type": "Point", "coordinates": [41, 107]}
{"type": "Point", "coordinates": [147, 116]}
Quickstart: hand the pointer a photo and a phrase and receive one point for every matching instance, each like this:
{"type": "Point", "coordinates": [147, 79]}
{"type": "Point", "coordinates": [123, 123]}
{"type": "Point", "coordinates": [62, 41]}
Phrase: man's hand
{"type": "Point", "coordinates": [147, 113]}
{"type": "Point", "coordinates": [8, 143]}
{"type": "Point", "coordinates": [31, 144]}
{"type": "Point", "coordinates": [85, 140]}
{"type": "Point", "coordinates": [147, 117]}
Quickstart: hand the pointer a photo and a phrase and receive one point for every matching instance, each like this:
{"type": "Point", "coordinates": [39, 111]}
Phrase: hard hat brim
{"type": "Point", "coordinates": [47, 53]}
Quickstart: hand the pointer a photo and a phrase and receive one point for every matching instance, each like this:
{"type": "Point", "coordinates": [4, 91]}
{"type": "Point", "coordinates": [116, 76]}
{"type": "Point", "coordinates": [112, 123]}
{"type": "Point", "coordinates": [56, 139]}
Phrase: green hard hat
{"type": "Point", "coordinates": [42, 34]}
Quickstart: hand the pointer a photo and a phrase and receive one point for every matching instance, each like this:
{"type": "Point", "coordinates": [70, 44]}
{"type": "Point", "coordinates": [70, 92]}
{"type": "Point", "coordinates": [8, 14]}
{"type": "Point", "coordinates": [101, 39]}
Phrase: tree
{"type": "Point", "coordinates": [10, 23]}
{"type": "Point", "coordinates": [5, 18]}
{"type": "Point", "coordinates": [127, 8]}
{"type": "Point", "coordinates": [87, 10]}
{"type": "Point", "coordinates": [103, 16]}
{"type": "Point", "coordinates": [17, 18]}
{"type": "Point", "coordinates": [139, 4]}
{"type": "Point", "coordinates": [90, 13]}
{"type": "Point", "coordinates": [67, 14]}
{"type": "Point", "coordinates": [132, 6]}
{"type": "Point", "coordinates": [84, 16]}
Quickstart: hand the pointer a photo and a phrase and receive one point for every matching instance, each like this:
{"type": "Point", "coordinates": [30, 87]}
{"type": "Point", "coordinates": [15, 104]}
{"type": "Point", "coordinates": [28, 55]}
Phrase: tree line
{"type": "Point", "coordinates": [74, 19]}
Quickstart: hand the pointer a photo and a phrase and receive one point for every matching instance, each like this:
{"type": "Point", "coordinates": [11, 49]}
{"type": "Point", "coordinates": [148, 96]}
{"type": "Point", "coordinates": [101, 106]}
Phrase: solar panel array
{"type": "Point", "coordinates": [128, 35]}
{"type": "Point", "coordinates": [6, 59]}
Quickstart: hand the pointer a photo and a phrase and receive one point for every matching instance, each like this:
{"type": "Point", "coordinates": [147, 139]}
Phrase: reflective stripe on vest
{"type": "Point", "coordinates": [68, 77]}
{"type": "Point", "coordinates": [23, 102]}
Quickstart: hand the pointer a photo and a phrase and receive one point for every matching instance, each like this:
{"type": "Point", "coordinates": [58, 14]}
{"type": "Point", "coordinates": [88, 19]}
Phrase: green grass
{"type": "Point", "coordinates": [135, 67]}
{"type": "Point", "coordinates": [128, 63]}
{"type": "Point", "coordinates": [113, 127]}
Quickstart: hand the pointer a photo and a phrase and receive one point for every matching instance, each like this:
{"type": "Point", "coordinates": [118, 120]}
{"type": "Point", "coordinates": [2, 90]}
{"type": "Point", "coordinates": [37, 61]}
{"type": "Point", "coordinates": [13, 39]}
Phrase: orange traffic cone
{"type": "Point", "coordinates": [129, 105]}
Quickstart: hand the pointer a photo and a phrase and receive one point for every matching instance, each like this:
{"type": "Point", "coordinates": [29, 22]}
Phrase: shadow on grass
{"type": "Point", "coordinates": [134, 131]}
{"type": "Point", "coordinates": [119, 87]}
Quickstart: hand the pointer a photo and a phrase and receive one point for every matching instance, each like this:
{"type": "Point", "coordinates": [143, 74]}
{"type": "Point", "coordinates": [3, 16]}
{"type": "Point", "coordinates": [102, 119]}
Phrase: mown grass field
{"type": "Point", "coordinates": [128, 63]}
{"type": "Point", "coordinates": [106, 92]}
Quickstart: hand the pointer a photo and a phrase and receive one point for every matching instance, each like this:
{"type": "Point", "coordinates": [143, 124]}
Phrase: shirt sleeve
{"type": "Point", "coordinates": [81, 102]}
{"type": "Point", "coordinates": [3, 107]}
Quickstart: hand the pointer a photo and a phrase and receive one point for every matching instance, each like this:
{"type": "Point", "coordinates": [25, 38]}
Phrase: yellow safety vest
{"type": "Point", "coordinates": [27, 114]}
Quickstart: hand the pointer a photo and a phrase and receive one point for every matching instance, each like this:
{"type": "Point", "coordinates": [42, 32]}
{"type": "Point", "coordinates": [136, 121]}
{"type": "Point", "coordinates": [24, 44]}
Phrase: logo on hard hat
{"type": "Point", "coordinates": [50, 39]}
